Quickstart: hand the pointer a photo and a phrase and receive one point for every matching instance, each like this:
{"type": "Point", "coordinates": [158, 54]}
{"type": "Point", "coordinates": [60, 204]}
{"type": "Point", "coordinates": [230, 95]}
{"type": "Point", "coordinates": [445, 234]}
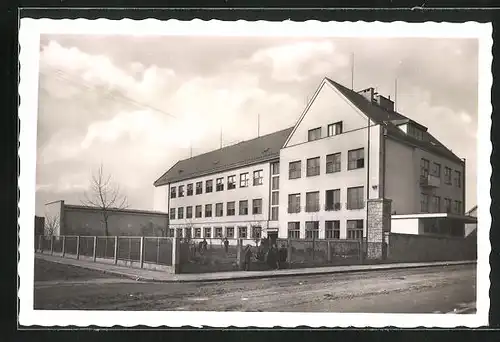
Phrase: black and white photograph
{"type": "Point", "coordinates": [261, 174]}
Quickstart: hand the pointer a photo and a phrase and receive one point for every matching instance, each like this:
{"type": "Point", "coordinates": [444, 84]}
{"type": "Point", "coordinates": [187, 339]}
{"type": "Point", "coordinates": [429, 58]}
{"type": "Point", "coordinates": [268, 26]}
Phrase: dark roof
{"type": "Point", "coordinates": [245, 153]}
{"type": "Point", "coordinates": [391, 119]}
{"type": "Point", "coordinates": [127, 211]}
{"type": "Point", "coordinates": [472, 211]}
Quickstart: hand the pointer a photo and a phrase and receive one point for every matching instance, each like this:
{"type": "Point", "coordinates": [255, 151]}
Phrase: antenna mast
{"type": "Point", "coordinates": [352, 71]}
{"type": "Point", "coordinates": [258, 125]}
{"type": "Point", "coordinates": [395, 94]}
{"type": "Point", "coordinates": [220, 136]}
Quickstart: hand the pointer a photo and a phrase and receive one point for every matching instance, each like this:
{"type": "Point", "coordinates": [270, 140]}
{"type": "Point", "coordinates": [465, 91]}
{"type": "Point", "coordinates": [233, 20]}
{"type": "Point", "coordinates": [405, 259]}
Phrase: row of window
{"type": "Point", "coordinates": [244, 181]}
{"type": "Point", "coordinates": [332, 129]}
{"type": "Point", "coordinates": [218, 232]}
{"type": "Point", "coordinates": [355, 200]}
{"type": "Point", "coordinates": [219, 209]}
{"type": "Point", "coordinates": [432, 204]}
{"type": "Point", "coordinates": [355, 160]}
{"type": "Point", "coordinates": [435, 170]}
{"type": "Point", "coordinates": [354, 229]}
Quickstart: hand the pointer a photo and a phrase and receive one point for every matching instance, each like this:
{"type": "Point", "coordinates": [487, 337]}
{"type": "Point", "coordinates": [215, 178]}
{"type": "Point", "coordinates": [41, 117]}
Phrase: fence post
{"type": "Point", "coordinates": [141, 252]}
{"type": "Point", "coordinates": [94, 251]}
{"type": "Point", "coordinates": [115, 257]}
{"type": "Point", "coordinates": [361, 252]}
{"type": "Point", "coordinates": [328, 251]}
{"type": "Point", "coordinates": [51, 244]}
{"type": "Point", "coordinates": [175, 253]}
{"type": "Point", "coordinates": [63, 246]}
{"type": "Point", "coordinates": [40, 243]}
{"type": "Point", "coordinates": [289, 253]}
{"type": "Point", "coordinates": [239, 253]}
{"type": "Point", "coordinates": [78, 247]}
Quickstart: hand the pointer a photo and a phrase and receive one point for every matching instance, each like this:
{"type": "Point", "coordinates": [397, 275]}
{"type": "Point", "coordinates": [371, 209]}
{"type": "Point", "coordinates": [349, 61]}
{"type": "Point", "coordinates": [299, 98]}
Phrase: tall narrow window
{"type": "Point", "coordinates": [458, 179]}
{"type": "Point", "coordinates": [219, 184]}
{"type": "Point", "coordinates": [436, 204]}
{"type": "Point", "coordinates": [312, 201]}
{"type": "Point", "coordinates": [208, 210]}
{"type": "Point", "coordinates": [424, 203]}
{"type": "Point", "coordinates": [335, 128]}
{"type": "Point", "coordinates": [197, 232]}
{"type": "Point", "coordinates": [199, 188]}
{"type": "Point", "coordinates": [424, 167]}
{"type": "Point", "coordinates": [356, 159]}
{"type": "Point", "coordinates": [256, 232]}
{"type": "Point", "coordinates": [355, 198]}
{"type": "Point", "coordinates": [172, 213]}
{"type": "Point", "coordinates": [244, 180]}
{"type": "Point", "coordinates": [313, 167]}
{"type": "Point", "coordinates": [242, 232]}
{"type": "Point", "coordinates": [274, 213]}
{"type": "Point", "coordinates": [447, 175]}
{"type": "Point", "coordinates": [275, 198]}
{"type": "Point", "coordinates": [189, 212]}
{"type": "Point", "coordinates": [180, 213]}
{"type": "Point", "coordinates": [275, 183]}
{"type": "Point", "coordinates": [294, 169]}
{"type": "Point", "coordinates": [207, 232]}
{"type": "Point", "coordinates": [243, 207]}
{"type": "Point", "coordinates": [436, 170]}
{"type": "Point", "coordinates": [354, 229]}
{"type": "Point", "coordinates": [333, 163]}
{"type": "Point", "coordinates": [332, 199]}
{"type": "Point", "coordinates": [208, 186]}
{"type": "Point", "coordinates": [447, 205]}
{"type": "Point", "coordinates": [190, 189]}
{"type": "Point", "coordinates": [230, 207]}
{"type": "Point", "coordinates": [294, 203]}
{"type": "Point", "coordinates": [173, 192]}
{"type": "Point", "coordinates": [198, 211]}
{"type": "Point", "coordinates": [275, 168]}
{"type": "Point", "coordinates": [181, 191]}
{"type": "Point", "coordinates": [258, 178]}
{"type": "Point", "coordinates": [231, 182]}
{"type": "Point", "coordinates": [257, 206]}
{"type": "Point", "coordinates": [219, 209]}
{"type": "Point", "coordinates": [314, 134]}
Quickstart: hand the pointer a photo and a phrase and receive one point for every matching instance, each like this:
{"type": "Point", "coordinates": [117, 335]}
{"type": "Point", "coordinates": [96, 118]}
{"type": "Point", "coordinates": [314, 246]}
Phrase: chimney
{"type": "Point", "coordinates": [368, 93]}
{"type": "Point", "coordinates": [384, 102]}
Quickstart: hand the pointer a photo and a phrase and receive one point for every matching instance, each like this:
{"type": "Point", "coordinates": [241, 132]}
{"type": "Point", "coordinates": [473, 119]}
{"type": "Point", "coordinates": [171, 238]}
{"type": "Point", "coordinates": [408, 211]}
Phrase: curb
{"type": "Point", "coordinates": [264, 276]}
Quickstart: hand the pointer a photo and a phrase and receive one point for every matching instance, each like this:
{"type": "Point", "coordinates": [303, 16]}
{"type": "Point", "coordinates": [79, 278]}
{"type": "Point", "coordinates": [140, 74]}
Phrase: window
{"type": "Point", "coordinates": [197, 232]}
{"type": "Point", "coordinates": [312, 201]}
{"type": "Point", "coordinates": [199, 188]}
{"type": "Point", "coordinates": [458, 179]}
{"type": "Point", "coordinates": [415, 132]}
{"type": "Point", "coordinates": [198, 211]}
{"type": "Point", "coordinates": [314, 134]}
{"type": "Point", "coordinates": [219, 209]}
{"type": "Point", "coordinates": [190, 189]}
{"type": "Point", "coordinates": [294, 169]}
{"type": "Point", "coordinates": [332, 229]}
{"type": "Point", "coordinates": [187, 233]}
{"type": "Point", "coordinates": [275, 183]}
{"type": "Point", "coordinates": [274, 213]}
{"type": "Point", "coordinates": [294, 230]}
{"type": "Point", "coordinates": [424, 203]}
{"type": "Point", "coordinates": [244, 180]}
{"type": "Point", "coordinates": [208, 210]}
{"type": "Point", "coordinates": [333, 163]}
{"type": "Point", "coordinates": [334, 129]}
{"type": "Point", "coordinates": [312, 229]}
{"type": "Point", "coordinates": [258, 179]}
{"type": "Point", "coordinates": [424, 167]}
{"type": "Point", "coordinates": [230, 232]}
{"type": "Point", "coordinates": [242, 232]}
{"type": "Point", "coordinates": [257, 206]}
{"type": "Point", "coordinates": [355, 198]}
{"type": "Point", "coordinates": [447, 205]}
{"type": "Point", "coordinates": [447, 175]}
{"type": "Point", "coordinates": [244, 207]}
{"type": "Point", "coordinates": [173, 192]}
{"type": "Point", "coordinates": [275, 169]}
{"type": "Point", "coordinates": [172, 213]}
{"type": "Point", "coordinates": [179, 232]}
{"type": "Point", "coordinates": [312, 167]}
{"type": "Point", "coordinates": [231, 182]}
{"type": "Point", "coordinates": [436, 170]}
{"type": "Point", "coordinates": [218, 232]}
{"type": "Point", "coordinates": [180, 213]}
{"type": "Point", "coordinates": [354, 229]}
{"type": "Point", "coordinates": [219, 184]}
{"type": "Point", "coordinates": [230, 208]}
{"type": "Point", "coordinates": [332, 200]}
{"type": "Point", "coordinates": [208, 186]}
{"type": "Point", "coordinates": [256, 232]}
{"type": "Point", "coordinates": [181, 191]}
{"type": "Point", "coordinates": [458, 207]}
{"type": "Point", "coordinates": [171, 232]}
{"type": "Point", "coordinates": [356, 159]}
{"type": "Point", "coordinates": [189, 212]}
{"type": "Point", "coordinates": [207, 232]}
{"type": "Point", "coordinates": [294, 203]}
{"type": "Point", "coordinates": [275, 198]}
{"type": "Point", "coordinates": [436, 204]}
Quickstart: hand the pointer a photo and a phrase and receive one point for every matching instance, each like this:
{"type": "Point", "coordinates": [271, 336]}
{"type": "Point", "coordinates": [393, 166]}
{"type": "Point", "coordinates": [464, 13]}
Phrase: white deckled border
{"type": "Point", "coordinates": [29, 39]}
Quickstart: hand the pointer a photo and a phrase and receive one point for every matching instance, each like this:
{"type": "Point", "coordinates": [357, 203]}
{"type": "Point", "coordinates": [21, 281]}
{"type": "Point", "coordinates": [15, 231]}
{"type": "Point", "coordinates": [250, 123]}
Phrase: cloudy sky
{"type": "Point", "coordinates": [136, 104]}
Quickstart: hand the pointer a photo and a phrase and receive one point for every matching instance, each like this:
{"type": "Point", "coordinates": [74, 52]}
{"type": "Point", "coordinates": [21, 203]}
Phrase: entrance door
{"type": "Point", "coordinates": [272, 237]}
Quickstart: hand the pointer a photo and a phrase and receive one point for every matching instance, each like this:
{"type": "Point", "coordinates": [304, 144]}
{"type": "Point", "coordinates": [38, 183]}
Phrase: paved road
{"type": "Point", "coordinates": [425, 290]}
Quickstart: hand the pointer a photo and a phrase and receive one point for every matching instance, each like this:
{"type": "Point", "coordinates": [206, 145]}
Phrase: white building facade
{"type": "Point", "coordinates": [346, 149]}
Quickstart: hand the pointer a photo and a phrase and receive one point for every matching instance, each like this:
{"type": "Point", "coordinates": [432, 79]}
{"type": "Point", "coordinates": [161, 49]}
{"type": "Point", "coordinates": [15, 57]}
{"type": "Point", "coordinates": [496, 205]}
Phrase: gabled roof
{"type": "Point", "coordinates": [390, 119]}
{"type": "Point", "coordinates": [258, 150]}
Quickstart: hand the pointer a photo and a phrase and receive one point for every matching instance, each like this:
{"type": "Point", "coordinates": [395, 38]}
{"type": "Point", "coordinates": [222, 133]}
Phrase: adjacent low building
{"type": "Point", "coordinates": [350, 162]}
{"type": "Point", "coordinates": [67, 219]}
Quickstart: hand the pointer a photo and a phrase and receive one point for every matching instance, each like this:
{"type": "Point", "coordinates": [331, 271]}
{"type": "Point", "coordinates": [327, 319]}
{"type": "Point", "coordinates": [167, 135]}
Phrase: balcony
{"type": "Point", "coordinates": [430, 181]}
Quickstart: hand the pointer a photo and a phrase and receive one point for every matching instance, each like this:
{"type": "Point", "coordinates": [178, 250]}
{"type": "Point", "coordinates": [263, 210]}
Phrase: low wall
{"type": "Point", "coordinates": [414, 248]}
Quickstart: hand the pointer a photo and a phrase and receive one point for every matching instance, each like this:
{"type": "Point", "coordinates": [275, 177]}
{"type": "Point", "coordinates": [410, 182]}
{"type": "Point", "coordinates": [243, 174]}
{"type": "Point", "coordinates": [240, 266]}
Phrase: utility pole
{"type": "Point", "coordinates": [395, 94]}
{"type": "Point", "coordinates": [352, 71]}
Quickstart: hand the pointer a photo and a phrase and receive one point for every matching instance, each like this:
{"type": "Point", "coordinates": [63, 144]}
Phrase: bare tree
{"type": "Point", "coordinates": [51, 225]}
{"type": "Point", "coordinates": [104, 195]}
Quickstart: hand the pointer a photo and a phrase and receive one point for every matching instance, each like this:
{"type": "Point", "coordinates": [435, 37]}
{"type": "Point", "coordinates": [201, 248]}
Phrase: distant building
{"type": "Point", "coordinates": [67, 219]}
{"type": "Point", "coordinates": [39, 225]}
{"type": "Point", "coordinates": [314, 180]}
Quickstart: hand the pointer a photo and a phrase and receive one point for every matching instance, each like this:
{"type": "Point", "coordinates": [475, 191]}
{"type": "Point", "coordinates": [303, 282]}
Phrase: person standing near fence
{"type": "Point", "coordinates": [248, 258]}
{"type": "Point", "coordinates": [282, 254]}
{"type": "Point", "coordinates": [226, 245]}
{"type": "Point", "coordinates": [205, 244]}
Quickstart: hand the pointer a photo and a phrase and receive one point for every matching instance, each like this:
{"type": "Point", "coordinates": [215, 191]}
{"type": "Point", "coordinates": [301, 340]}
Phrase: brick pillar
{"type": "Point", "coordinates": [379, 222]}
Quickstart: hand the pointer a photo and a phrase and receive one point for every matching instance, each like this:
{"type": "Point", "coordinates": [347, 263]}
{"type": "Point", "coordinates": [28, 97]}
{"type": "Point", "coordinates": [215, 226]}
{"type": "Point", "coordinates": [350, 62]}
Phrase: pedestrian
{"type": "Point", "coordinates": [282, 255]}
{"type": "Point", "coordinates": [226, 245]}
{"type": "Point", "coordinates": [271, 258]}
{"type": "Point", "coordinates": [248, 258]}
{"type": "Point", "coordinates": [205, 244]}
{"type": "Point", "coordinates": [200, 247]}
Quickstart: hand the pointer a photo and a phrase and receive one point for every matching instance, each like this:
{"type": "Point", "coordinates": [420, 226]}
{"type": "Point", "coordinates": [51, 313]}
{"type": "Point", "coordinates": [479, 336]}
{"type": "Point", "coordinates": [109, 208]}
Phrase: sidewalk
{"type": "Point", "coordinates": [158, 276]}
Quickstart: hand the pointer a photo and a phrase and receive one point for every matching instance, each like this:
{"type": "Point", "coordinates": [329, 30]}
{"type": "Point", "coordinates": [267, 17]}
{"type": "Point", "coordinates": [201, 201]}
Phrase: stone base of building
{"type": "Point", "coordinates": [378, 222]}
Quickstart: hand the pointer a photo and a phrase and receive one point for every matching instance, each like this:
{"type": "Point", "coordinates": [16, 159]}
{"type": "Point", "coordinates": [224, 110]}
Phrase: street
{"type": "Point", "coordinates": [419, 290]}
